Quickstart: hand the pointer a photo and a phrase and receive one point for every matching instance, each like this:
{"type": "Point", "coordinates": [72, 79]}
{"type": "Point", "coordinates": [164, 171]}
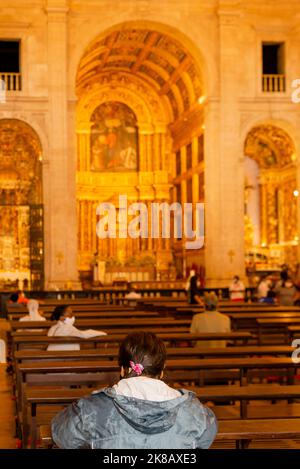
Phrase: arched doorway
{"type": "Point", "coordinates": [21, 209]}
{"type": "Point", "coordinates": [148, 77]}
{"type": "Point", "coordinates": [270, 198]}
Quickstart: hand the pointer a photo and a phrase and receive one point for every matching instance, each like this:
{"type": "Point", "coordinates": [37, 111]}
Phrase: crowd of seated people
{"type": "Point", "coordinates": [141, 410]}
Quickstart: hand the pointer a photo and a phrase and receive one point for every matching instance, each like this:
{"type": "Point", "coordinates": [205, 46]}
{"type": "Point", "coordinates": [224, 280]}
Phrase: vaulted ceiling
{"type": "Point", "coordinates": [152, 56]}
{"type": "Point", "coordinates": [270, 146]}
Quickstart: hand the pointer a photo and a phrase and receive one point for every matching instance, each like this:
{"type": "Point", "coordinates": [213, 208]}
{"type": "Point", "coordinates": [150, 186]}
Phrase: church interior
{"type": "Point", "coordinates": [189, 110]}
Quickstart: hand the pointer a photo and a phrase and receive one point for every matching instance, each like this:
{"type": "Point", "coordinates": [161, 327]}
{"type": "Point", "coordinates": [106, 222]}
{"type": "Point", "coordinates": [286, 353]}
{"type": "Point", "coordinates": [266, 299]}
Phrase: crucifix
{"type": "Point", "coordinates": [60, 257]}
{"type": "Point", "coordinates": [231, 254]}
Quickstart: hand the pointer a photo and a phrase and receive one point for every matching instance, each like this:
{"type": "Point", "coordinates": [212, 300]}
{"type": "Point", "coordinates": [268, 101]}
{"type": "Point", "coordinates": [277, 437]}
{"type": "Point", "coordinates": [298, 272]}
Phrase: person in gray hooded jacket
{"type": "Point", "coordinates": [140, 411]}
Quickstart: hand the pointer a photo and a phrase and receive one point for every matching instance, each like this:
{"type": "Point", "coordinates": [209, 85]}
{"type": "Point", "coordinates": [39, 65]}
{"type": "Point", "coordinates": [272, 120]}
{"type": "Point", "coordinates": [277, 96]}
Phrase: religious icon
{"type": "Point", "coordinates": [114, 139]}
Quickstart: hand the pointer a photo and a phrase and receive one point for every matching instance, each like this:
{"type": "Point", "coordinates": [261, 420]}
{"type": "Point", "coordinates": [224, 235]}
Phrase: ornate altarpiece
{"type": "Point", "coordinates": [274, 151]}
{"type": "Point", "coordinates": [21, 227]}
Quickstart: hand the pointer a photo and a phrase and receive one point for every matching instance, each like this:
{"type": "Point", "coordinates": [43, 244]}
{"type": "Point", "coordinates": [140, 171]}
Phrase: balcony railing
{"type": "Point", "coordinates": [273, 83]}
{"type": "Point", "coordinates": [10, 81]}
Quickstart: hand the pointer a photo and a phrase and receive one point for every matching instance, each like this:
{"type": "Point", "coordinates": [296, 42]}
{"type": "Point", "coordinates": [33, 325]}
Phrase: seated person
{"type": "Point", "coordinates": [64, 327]}
{"type": "Point", "coordinates": [263, 288]}
{"type": "Point", "coordinates": [14, 300]}
{"type": "Point", "coordinates": [285, 290]}
{"type": "Point", "coordinates": [271, 296]}
{"type": "Point", "coordinates": [132, 295]}
{"type": "Point", "coordinates": [194, 297]}
{"type": "Point", "coordinates": [140, 411]}
{"type": "Point", "coordinates": [237, 289]}
{"type": "Point", "coordinates": [22, 298]}
{"type": "Point", "coordinates": [210, 321]}
{"type": "Point", "coordinates": [34, 314]}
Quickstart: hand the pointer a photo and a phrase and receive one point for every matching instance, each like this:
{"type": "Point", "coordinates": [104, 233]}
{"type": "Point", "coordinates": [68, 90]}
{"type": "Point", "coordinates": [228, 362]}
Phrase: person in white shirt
{"type": "Point", "coordinates": [210, 321]}
{"type": "Point", "coordinates": [33, 310]}
{"type": "Point", "coordinates": [64, 327]}
{"type": "Point", "coordinates": [237, 289]}
{"type": "Point", "coordinates": [263, 287]}
{"type": "Point", "coordinates": [133, 295]}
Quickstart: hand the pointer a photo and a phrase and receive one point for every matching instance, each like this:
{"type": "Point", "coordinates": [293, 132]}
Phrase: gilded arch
{"type": "Point", "coordinates": [21, 231]}
{"type": "Point", "coordinates": [274, 152]}
{"type": "Point", "coordinates": [157, 77]}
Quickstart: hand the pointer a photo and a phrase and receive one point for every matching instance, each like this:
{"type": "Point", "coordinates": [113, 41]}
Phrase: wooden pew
{"type": "Point", "coordinates": [258, 307]}
{"type": "Point", "coordinates": [171, 337]}
{"type": "Point", "coordinates": [167, 336]}
{"type": "Point", "coordinates": [55, 302]}
{"type": "Point", "coordinates": [240, 431]}
{"type": "Point", "coordinates": [58, 368]}
{"type": "Point", "coordinates": [108, 330]}
{"type": "Point", "coordinates": [98, 315]}
{"type": "Point", "coordinates": [36, 398]}
{"type": "Point", "coordinates": [91, 372]}
{"type": "Point", "coordinates": [105, 324]}
{"type": "Point", "coordinates": [172, 352]}
{"type": "Point", "coordinates": [190, 311]}
{"type": "Point", "coordinates": [293, 331]}
{"type": "Point", "coordinates": [244, 431]}
{"type": "Point", "coordinates": [22, 310]}
{"type": "Point", "coordinates": [249, 320]}
{"type": "Point", "coordinates": [275, 326]}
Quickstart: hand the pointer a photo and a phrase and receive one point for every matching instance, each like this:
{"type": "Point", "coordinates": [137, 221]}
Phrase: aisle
{"type": "Point", "coordinates": [7, 426]}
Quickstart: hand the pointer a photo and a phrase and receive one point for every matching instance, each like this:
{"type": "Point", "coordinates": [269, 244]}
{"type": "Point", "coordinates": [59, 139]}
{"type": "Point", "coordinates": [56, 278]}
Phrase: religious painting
{"type": "Point", "coordinates": [114, 138]}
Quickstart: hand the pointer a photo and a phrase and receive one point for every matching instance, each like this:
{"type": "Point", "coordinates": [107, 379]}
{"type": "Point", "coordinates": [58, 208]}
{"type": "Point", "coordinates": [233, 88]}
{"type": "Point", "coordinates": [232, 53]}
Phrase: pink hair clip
{"type": "Point", "coordinates": [137, 367]}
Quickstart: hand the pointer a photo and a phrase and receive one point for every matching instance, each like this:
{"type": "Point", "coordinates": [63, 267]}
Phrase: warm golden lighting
{"type": "Point", "coordinates": [201, 99]}
{"type": "Point", "coordinates": [296, 193]}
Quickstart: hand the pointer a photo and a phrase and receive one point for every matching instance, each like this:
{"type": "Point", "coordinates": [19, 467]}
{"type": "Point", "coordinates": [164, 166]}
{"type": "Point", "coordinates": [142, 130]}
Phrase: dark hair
{"type": "Point", "coordinates": [14, 297]}
{"type": "Point", "coordinates": [58, 312]}
{"type": "Point", "coordinates": [194, 282]}
{"type": "Point", "coordinates": [146, 349]}
{"type": "Point", "coordinates": [284, 277]}
{"type": "Point", "coordinates": [237, 277]}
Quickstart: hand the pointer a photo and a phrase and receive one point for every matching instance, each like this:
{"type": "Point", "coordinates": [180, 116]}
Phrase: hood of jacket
{"type": "Point", "coordinates": [146, 415]}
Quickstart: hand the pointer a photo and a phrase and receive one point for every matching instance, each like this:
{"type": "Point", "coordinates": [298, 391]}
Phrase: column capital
{"type": "Point", "coordinates": [57, 10]}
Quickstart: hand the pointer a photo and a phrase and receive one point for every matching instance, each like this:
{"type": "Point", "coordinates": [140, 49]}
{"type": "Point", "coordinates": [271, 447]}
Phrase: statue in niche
{"type": "Point", "coordinates": [114, 139]}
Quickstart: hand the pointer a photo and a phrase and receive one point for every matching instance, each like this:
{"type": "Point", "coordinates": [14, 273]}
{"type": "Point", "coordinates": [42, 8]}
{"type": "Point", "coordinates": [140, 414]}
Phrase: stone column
{"type": "Point", "coordinates": [224, 163]}
{"type": "Point", "coordinates": [61, 206]}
